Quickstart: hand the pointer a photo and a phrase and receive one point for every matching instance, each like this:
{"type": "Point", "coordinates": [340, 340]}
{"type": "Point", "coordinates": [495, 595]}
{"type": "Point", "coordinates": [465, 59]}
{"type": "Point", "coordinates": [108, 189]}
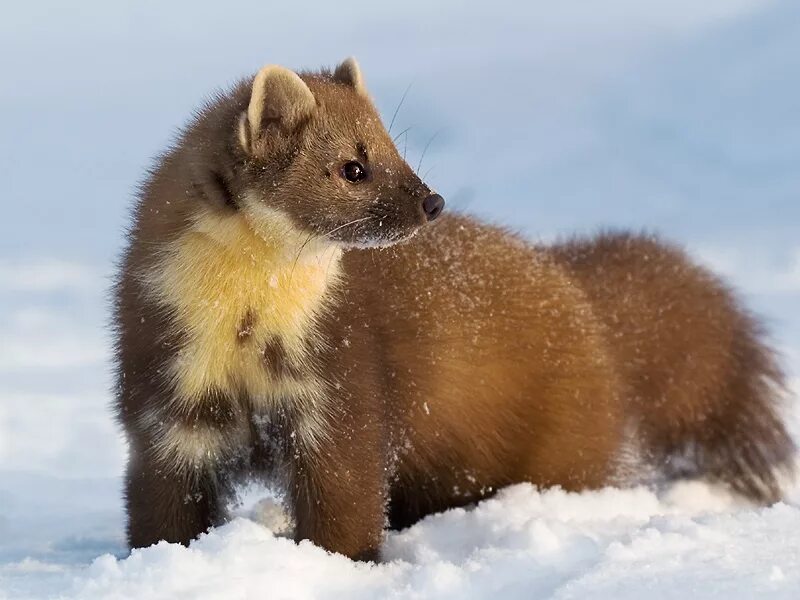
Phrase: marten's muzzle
{"type": "Point", "coordinates": [433, 206]}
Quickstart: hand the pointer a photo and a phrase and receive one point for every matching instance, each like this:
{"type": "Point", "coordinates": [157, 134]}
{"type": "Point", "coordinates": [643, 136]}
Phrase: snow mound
{"type": "Point", "coordinates": [688, 540]}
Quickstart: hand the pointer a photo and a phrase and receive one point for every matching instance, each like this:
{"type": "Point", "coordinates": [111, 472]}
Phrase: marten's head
{"type": "Point", "coordinates": [310, 150]}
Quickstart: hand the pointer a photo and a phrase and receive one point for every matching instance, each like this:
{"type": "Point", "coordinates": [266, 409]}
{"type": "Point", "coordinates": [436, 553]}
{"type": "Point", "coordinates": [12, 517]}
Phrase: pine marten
{"type": "Point", "coordinates": [270, 322]}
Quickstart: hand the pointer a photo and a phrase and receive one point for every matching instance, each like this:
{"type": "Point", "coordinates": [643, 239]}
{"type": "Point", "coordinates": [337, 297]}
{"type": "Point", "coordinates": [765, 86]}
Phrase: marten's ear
{"type": "Point", "coordinates": [279, 98]}
{"type": "Point", "coordinates": [349, 73]}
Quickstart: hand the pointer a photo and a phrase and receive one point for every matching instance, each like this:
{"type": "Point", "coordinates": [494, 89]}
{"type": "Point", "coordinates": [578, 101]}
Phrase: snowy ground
{"type": "Point", "coordinates": [555, 117]}
{"type": "Point", "coordinates": [688, 540]}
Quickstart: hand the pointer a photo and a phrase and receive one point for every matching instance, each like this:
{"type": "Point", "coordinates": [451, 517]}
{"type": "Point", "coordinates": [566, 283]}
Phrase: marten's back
{"type": "Point", "coordinates": [496, 366]}
{"type": "Point", "coordinates": [700, 377]}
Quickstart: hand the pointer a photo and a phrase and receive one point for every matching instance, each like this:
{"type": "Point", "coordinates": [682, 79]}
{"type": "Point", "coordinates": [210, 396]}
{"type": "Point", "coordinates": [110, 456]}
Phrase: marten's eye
{"type": "Point", "coordinates": [354, 172]}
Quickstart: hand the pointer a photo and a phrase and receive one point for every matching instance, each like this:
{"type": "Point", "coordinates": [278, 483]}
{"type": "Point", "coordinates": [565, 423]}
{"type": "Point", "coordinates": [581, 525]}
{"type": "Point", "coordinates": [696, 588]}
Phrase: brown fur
{"type": "Point", "coordinates": [701, 383]}
{"type": "Point", "coordinates": [384, 384]}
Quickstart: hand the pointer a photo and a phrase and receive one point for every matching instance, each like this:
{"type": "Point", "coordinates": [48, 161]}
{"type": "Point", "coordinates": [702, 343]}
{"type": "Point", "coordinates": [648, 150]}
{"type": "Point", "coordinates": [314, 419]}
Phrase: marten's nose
{"type": "Point", "coordinates": [433, 206]}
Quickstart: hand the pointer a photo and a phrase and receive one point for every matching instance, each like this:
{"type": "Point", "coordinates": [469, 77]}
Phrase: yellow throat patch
{"type": "Point", "coordinates": [236, 285]}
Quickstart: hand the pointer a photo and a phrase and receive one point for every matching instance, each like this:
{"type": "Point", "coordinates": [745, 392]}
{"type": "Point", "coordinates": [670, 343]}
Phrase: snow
{"type": "Point", "coordinates": [556, 117]}
{"type": "Point", "coordinates": [688, 539]}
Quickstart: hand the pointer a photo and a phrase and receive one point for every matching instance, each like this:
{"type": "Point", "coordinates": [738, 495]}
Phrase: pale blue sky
{"type": "Point", "coordinates": [554, 117]}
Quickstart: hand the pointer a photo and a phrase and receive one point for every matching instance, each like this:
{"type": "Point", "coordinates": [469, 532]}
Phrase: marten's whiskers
{"type": "Point", "coordinates": [397, 137]}
{"type": "Point", "coordinates": [299, 252]}
{"type": "Point", "coordinates": [397, 110]}
{"type": "Point", "coordinates": [313, 235]}
{"type": "Point", "coordinates": [425, 150]}
{"type": "Point", "coordinates": [353, 222]}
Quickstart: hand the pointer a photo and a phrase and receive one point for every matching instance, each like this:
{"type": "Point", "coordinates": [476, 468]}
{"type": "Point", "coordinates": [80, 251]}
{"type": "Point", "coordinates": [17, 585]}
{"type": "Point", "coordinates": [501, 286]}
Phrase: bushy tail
{"type": "Point", "coordinates": [704, 390]}
{"type": "Point", "coordinates": [741, 440]}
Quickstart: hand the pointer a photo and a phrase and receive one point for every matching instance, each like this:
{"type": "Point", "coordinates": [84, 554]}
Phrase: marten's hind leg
{"type": "Point", "coordinates": [578, 443]}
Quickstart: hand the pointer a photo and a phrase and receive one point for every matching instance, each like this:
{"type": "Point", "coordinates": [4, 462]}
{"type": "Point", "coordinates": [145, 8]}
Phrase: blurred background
{"type": "Point", "coordinates": [678, 117]}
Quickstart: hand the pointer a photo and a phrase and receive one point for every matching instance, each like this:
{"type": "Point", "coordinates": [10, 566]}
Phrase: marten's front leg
{"type": "Point", "coordinates": [176, 472]}
{"type": "Point", "coordinates": [339, 487]}
{"type": "Point", "coordinates": [167, 504]}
